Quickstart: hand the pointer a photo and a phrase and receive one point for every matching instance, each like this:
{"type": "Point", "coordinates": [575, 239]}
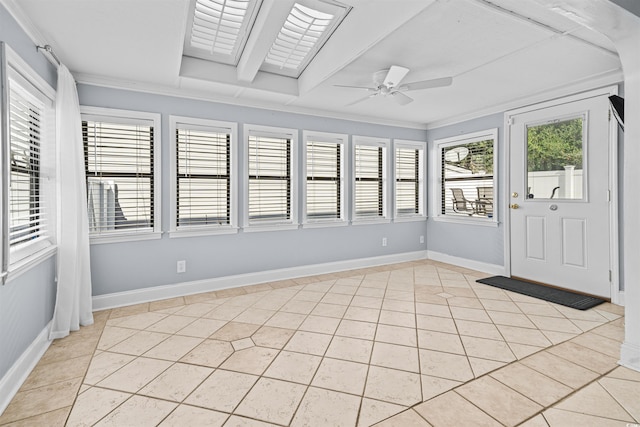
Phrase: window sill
{"type": "Point", "coordinates": [124, 237]}
{"type": "Point", "coordinates": [19, 267]}
{"type": "Point", "coordinates": [362, 221]}
{"type": "Point", "coordinates": [483, 222]}
{"type": "Point", "coordinates": [410, 218]}
{"type": "Point", "coordinates": [267, 227]}
{"type": "Point", "coordinates": [325, 224]}
{"type": "Point", "coordinates": [202, 231]}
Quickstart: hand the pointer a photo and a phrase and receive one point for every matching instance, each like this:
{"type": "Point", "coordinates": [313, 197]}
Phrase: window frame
{"type": "Point", "coordinates": [421, 146]}
{"type": "Point", "coordinates": [278, 132]}
{"type": "Point", "coordinates": [119, 116]}
{"type": "Point", "coordinates": [437, 181]}
{"type": "Point", "coordinates": [385, 144]}
{"type": "Point", "coordinates": [14, 71]}
{"type": "Point", "coordinates": [341, 141]}
{"type": "Point", "coordinates": [212, 126]}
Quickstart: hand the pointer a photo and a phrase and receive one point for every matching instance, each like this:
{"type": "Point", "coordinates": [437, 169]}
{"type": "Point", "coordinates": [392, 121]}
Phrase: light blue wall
{"type": "Point", "coordinates": [470, 241]}
{"type": "Point", "coordinates": [134, 265]}
{"type": "Point", "coordinates": [26, 303]}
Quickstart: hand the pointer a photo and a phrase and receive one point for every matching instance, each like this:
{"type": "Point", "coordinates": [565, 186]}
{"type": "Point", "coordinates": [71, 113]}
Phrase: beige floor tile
{"type": "Point", "coordinates": [433, 310]}
{"type": "Point", "coordinates": [537, 421]}
{"type": "Point", "coordinates": [362, 314]}
{"type": "Point", "coordinates": [474, 314]}
{"type": "Point", "coordinates": [559, 369]}
{"type": "Point", "coordinates": [590, 359]}
{"type": "Point", "coordinates": [224, 312]}
{"type": "Point", "coordinates": [139, 411]}
{"type": "Point", "coordinates": [435, 323]}
{"type": "Point", "coordinates": [623, 373]}
{"type": "Point", "coordinates": [558, 337]}
{"type": "Point", "coordinates": [135, 375]}
{"type": "Point", "coordinates": [320, 324]}
{"type": "Point", "coordinates": [510, 319]}
{"type": "Point", "coordinates": [356, 329]}
{"type": "Point", "coordinates": [488, 293]}
{"type": "Point", "coordinates": [286, 320]}
{"type": "Point", "coordinates": [522, 350]}
{"type": "Point", "coordinates": [253, 360]}
{"type": "Point", "coordinates": [555, 324]}
{"type": "Point", "coordinates": [210, 353]}
{"type": "Point", "coordinates": [174, 347]}
{"type": "Point", "coordinates": [393, 386]}
{"type": "Point", "coordinates": [177, 382]}
{"type": "Point", "coordinates": [55, 418]}
{"type": "Point", "coordinates": [112, 335]}
{"type": "Point", "coordinates": [352, 349]}
{"type": "Point", "coordinates": [599, 343]}
{"type": "Point", "coordinates": [500, 305]}
{"type": "Point", "coordinates": [451, 409]}
{"type": "Point", "coordinates": [488, 349]}
{"type": "Point", "coordinates": [532, 384]}
{"type": "Point", "coordinates": [499, 401]}
{"type": "Point", "coordinates": [366, 302]}
{"type": "Point", "coordinates": [610, 331]}
{"type": "Point", "coordinates": [397, 318]}
{"type": "Point", "coordinates": [44, 399]}
{"type": "Point", "coordinates": [440, 341]}
{"type": "Point", "coordinates": [396, 335]}
{"type": "Point", "coordinates": [201, 328]}
{"type": "Point", "coordinates": [129, 310]}
{"type": "Point", "coordinates": [56, 372]}
{"type": "Point", "coordinates": [431, 299]}
{"type": "Point", "coordinates": [272, 401]}
{"type": "Point", "coordinates": [237, 421]}
{"type": "Point", "coordinates": [209, 297]}
{"type": "Point", "coordinates": [515, 334]}
{"type": "Point", "coordinates": [136, 321]}
{"type": "Point", "coordinates": [625, 392]}
{"type": "Point", "coordinates": [329, 310]}
{"type": "Point", "coordinates": [434, 386]}
{"type": "Point", "coordinates": [395, 357]}
{"type": "Point", "coordinates": [397, 305]}
{"type": "Point", "coordinates": [309, 342]}
{"type": "Point", "coordinates": [341, 375]}
{"type": "Point", "coordinates": [540, 309]}
{"type": "Point", "coordinates": [166, 303]}
{"type": "Point", "coordinates": [467, 302]}
{"type": "Point", "coordinates": [185, 415]}
{"type": "Point", "coordinates": [321, 407]}
{"type": "Point", "coordinates": [595, 400]}
{"type": "Point", "coordinates": [560, 418]}
{"type": "Point", "coordinates": [234, 331]}
{"type": "Point", "coordinates": [256, 316]}
{"type": "Point", "coordinates": [139, 343]}
{"type": "Point", "coordinates": [445, 365]}
{"type": "Point", "coordinates": [370, 292]}
{"type": "Point", "coordinates": [271, 337]}
{"type": "Point", "coordinates": [400, 295]}
{"type": "Point", "coordinates": [91, 406]}
{"type": "Point", "coordinates": [105, 364]}
{"type": "Point", "coordinates": [339, 299]}
{"type": "Point", "coordinates": [295, 367]}
{"type": "Point", "coordinates": [170, 324]}
{"type": "Point", "coordinates": [478, 329]}
{"type": "Point", "coordinates": [408, 418]}
{"type": "Point", "coordinates": [308, 296]}
{"type": "Point", "coordinates": [483, 366]}
{"type": "Point", "coordinates": [374, 411]}
{"type": "Point", "coordinates": [222, 391]}
{"type": "Point", "coordinates": [74, 345]}
{"type": "Point", "coordinates": [242, 344]}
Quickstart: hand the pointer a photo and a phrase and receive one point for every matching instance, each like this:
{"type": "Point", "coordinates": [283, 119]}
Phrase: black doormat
{"type": "Point", "coordinates": [558, 296]}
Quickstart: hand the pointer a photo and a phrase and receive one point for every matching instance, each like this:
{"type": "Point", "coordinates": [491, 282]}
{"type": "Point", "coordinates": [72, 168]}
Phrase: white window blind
{"type": "Point", "coordinates": [324, 160]}
{"type": "Point", "coordinates": [203, 171]}
{"type": "Point", "coordinates": [269, 191]}
{"type": "Point", "coordinates": [27, 218]}
{"type": "Point", "coordinates": [408, 181]}
{"type": "Point", "coordinates": [369, 181]}
{"type": "Point", "coordinates": [119, 164]}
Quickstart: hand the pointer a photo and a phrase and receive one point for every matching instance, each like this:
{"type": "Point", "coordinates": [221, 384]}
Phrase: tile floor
{"type": "Point", "coordinates": [411, 344]}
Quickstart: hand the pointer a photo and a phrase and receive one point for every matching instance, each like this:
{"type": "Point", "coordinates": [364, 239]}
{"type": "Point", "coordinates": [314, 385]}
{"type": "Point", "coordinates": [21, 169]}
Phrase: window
{"type": "Point", "coordinates": [203, 170]}
{"type": "Point", "coordinates": [467, 179]}
{"type": "Point", "coordinates": [324, 178]}
{"type": "Point", "coordinates": [121, 163]}
{"type": "Point", "coordinates": [271, 185]}
{"type": "Point", "coordinates": [29, 169]}
{"type": "Point", "coordinates": [409, 180]}
{"type": "Point", "coordinates": [370, 179]}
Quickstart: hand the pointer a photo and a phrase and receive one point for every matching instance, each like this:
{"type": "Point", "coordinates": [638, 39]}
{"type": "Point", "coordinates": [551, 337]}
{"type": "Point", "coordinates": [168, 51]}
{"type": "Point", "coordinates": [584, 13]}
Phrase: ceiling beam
{"type": "Point", "coordinates": [271, 17]}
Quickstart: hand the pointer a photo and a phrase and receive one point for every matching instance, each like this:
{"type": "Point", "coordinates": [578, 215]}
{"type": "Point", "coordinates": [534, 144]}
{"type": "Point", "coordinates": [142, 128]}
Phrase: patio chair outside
{"type": "Point", "coordinates": [484, 204]}
{"type": "Point", "coordinates": [461, 204]}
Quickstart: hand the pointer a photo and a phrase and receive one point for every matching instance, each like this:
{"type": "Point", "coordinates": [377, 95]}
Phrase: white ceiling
{"type": "Point", "coordinates": [500, 53]}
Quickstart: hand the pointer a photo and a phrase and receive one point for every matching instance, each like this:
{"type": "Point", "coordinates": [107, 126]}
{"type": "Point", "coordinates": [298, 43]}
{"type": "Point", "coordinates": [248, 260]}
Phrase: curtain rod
{"type": "Point", "coordinates": [47, 48]}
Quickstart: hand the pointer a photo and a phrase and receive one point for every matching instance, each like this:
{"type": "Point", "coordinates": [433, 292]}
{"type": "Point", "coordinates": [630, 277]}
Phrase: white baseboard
{"type": "Point", "coordinates": [11, 382]}
{"type": "Point", "coordinates": [138, 296]}
{"type": "Point", "coordinates": [466, 263]}
{"type": "Point", "coordinates": [630, 356]}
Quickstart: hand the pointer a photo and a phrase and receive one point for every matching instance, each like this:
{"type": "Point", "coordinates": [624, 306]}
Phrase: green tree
{"type": "Point", "coordinates": [555, 145]}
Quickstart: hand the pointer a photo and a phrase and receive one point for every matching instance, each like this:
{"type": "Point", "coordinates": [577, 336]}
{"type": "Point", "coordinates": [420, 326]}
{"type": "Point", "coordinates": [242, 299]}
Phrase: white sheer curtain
{"type": "Point", "coordinates": [73, 299]}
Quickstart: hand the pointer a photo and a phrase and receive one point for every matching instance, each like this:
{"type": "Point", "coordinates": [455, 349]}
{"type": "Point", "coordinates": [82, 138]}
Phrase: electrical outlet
{"type": "Point", "coordinates": [181, 267]}
{"type": "Point", "coordinates": [421, 239]}
{"type": "Point", "coordinates": [384, 241]}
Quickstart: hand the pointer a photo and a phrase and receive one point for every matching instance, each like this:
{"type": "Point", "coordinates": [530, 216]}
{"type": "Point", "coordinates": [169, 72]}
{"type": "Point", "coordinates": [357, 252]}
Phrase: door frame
{"type": "Point", "coordinates": [617, 296]}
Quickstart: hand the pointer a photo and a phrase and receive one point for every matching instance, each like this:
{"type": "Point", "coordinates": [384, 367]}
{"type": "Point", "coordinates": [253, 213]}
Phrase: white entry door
{"type": "Point", "coordinates": [559, 195]}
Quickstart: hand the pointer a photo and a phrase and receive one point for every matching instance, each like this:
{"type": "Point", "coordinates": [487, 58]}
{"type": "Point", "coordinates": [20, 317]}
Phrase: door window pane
{"type": "Point", "coordinates": [555, 157]}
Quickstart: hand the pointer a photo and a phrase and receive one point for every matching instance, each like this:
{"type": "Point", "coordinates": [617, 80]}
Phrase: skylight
{"type": "Point", "coordinates": [218, 29]}
{"type": "Point", "coordinates": [304, 32]}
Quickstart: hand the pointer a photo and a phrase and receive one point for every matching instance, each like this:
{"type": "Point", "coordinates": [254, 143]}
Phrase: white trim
{"type": "Point", "coordinates": [11, 382]}
{"type": "Point", "coordinates": [19, 267]}
{"type": "Point", "coordinates": [422, 147]}
{"type": "Point", "coordinates": [630, 356]}
{"type": "Point", "coordinates": [617, 296]}
{"type": "Point", "coordinates": [466, 263]}
{"type": "Point", "coordinates": [125, 237]}
{"type": "Point", "coordinates": [455, 219]}
{"type": "Point", "coordinates": [385, 143]}
{"type": "Point", "coordinates": [208, 126]}
{"type": "Point", "coordinates": [119, 299]}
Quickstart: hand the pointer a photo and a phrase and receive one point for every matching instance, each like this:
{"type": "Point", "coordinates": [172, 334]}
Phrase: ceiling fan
{"type": "Point", "coordinates": [387, 83]}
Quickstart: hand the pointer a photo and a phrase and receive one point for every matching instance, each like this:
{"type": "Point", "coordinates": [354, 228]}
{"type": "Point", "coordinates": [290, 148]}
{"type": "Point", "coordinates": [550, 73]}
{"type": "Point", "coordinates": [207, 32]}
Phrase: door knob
{"type": "Point", "coordinates": [514, 206]}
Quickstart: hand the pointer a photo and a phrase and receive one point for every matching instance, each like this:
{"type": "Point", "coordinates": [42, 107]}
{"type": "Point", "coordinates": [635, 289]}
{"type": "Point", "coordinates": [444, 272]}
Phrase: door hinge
{"type": "Point", "coordinates": [510, 121]}
{"type": "Point", "coordinates": [609, 114]}
{"type": "Point", "coordinates": [608, 195]}
{"type": "Point", "coordinates": [610, 276]}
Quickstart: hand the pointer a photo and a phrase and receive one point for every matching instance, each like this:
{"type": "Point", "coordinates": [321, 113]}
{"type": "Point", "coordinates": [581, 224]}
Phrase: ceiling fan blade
{"type": "Point", "coordinates": [356, 87]}
{"type": "Point", "coordinates": [357, 101]}
{"type": "Point", "coordinates": [395, 75]}
{"type": "Point", "coordinates": [427, 84]}
{"type": "Point", "coordinates": [401, 98]}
